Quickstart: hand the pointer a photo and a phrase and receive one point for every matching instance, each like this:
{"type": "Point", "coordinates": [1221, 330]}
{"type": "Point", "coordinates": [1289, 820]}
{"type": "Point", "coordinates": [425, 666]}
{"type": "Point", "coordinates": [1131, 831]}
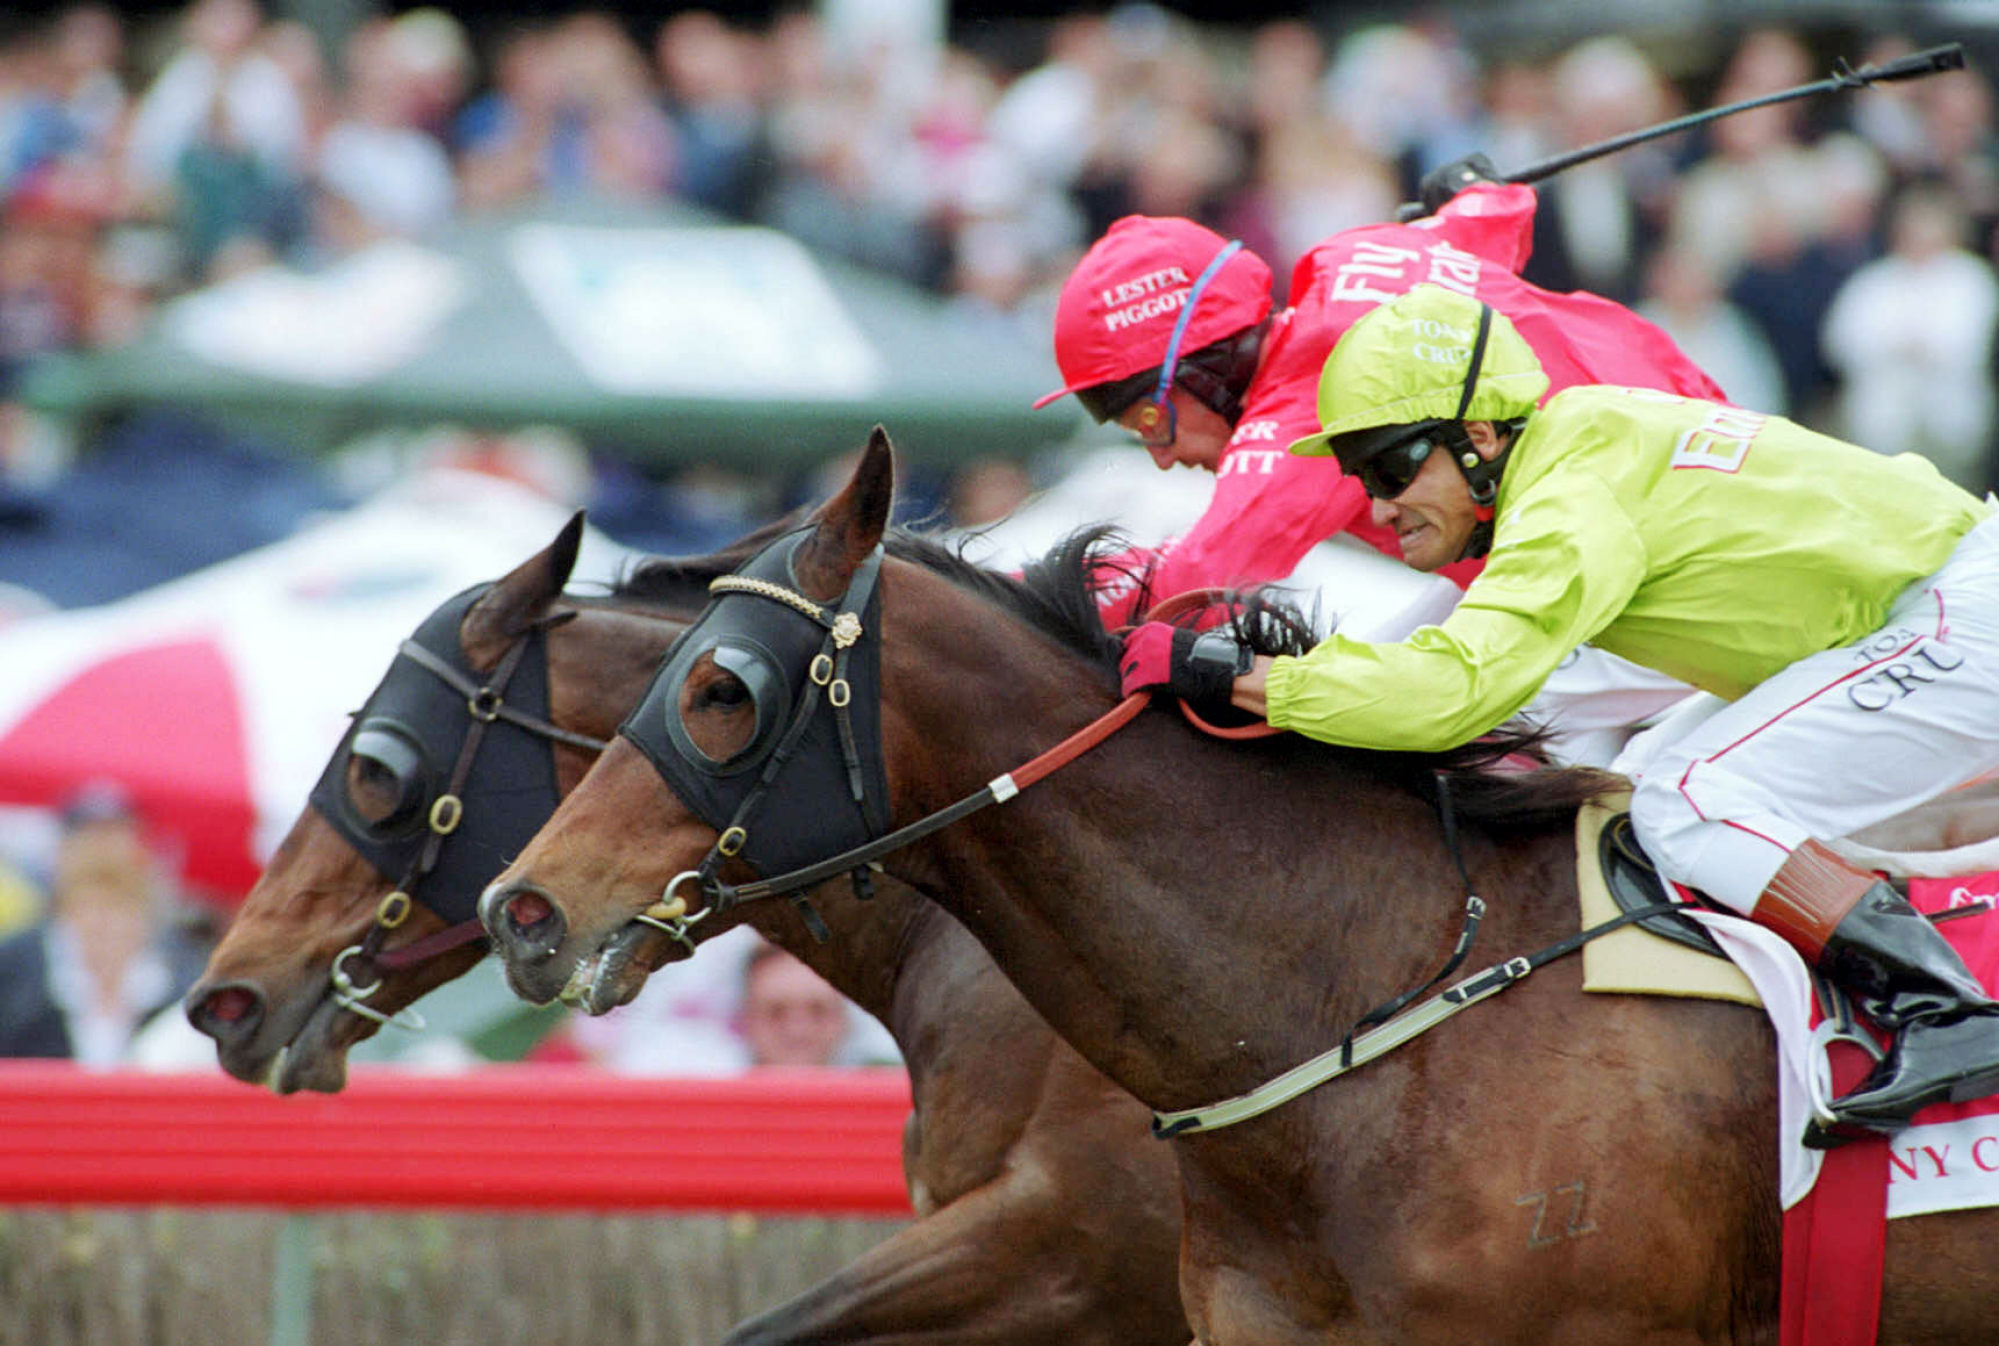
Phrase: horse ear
{"type": "Point", "coordinates": [505, 611]}
{"type": "Point", "coordinates": [848, 526]}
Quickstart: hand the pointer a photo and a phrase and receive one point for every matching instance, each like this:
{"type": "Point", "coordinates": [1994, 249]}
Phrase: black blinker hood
{"type": "Point", "coordinates": [830, 788]}
{"type": "Point", "coordinates": [507, 795]}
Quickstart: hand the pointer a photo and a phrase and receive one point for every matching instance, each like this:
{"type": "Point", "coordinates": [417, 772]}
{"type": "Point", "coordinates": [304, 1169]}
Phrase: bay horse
{"type": "Point", "coordinates": [1197, 916]}
{"type": "Point", "coordinates": [1047, 1214]}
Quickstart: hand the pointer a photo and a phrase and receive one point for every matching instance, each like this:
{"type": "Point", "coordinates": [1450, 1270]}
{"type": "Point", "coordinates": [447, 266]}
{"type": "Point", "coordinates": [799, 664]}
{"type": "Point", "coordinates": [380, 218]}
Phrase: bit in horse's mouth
{"type": "Point", "coordinates": [605, 979]}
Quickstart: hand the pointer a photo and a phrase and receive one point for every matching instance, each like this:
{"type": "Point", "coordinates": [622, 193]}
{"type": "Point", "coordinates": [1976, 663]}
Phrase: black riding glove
{"type": "Point", "coordinates": [1200, 667]}
{"type": "Point", "coordinates": [1445, 181]}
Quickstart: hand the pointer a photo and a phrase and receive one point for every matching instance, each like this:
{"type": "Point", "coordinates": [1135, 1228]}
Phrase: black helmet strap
{"type": "Point", "coordinates": [1481, 474]}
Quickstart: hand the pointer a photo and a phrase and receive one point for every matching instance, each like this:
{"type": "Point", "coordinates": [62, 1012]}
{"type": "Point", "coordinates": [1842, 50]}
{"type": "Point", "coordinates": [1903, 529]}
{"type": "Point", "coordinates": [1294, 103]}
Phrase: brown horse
{"type": "Point", "coordinates": [1048, 1214]}
{"type": "Point", "coordinates": [1196, 917]}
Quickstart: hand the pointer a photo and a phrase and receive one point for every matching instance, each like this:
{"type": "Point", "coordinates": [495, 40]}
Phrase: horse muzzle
{"type": "Point", "coordinates": [527, 929]}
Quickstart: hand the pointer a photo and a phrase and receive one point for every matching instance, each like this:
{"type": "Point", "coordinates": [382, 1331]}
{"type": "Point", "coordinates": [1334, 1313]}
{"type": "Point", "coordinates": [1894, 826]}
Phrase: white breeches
{"type": "Point", "coordinates": [1836, 742]}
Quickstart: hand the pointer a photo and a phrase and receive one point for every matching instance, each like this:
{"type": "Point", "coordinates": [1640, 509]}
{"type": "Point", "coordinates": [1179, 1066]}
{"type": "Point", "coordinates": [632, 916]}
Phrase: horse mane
{"type": "Point", "coordinates": [1488, 780]}
{"type": "Point", "coordinates": [1056, 594]}
{"type": "Point", "coordinates": [1484, 779]}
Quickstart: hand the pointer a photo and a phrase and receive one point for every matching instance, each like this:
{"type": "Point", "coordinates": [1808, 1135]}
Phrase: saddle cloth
{"type": "Point", "coordinates": [1947, 1159]}
{"type": "Point", "coordinates": [1835, 1209]}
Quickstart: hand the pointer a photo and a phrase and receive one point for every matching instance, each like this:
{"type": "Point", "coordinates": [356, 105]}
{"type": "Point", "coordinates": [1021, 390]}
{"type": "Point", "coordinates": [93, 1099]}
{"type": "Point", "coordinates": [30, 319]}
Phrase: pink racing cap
{"type": "Point", "coordinates": [1119, 306]}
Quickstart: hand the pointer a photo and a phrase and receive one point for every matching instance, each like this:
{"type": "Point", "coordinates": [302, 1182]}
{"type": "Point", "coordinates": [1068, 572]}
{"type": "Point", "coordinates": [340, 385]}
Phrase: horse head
{"type": "Point", "coordinates": [791, 725]}
{"type": "Point", "coordinates": [293, 985]}
{"type": "Point", "coordinates": [366, 903]}
{"type": "Point", "coordinates": [722, 706]}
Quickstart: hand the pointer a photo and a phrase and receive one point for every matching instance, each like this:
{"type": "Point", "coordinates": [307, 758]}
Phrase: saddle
{"type": "Point", "coordinates": [1634, 882]}
{"type": "Point", "coordinates": [1668, 954]}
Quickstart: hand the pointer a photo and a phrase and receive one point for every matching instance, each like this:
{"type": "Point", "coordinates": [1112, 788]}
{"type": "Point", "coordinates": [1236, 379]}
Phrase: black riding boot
{"type": "Point", "coordinates": [1903, 975]}
{"type": "Point", "coordinates": [1908, 980]}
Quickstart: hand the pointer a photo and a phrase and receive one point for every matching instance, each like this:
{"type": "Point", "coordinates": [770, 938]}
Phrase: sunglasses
{"type": "Point", "coordinates": [1391, 472]}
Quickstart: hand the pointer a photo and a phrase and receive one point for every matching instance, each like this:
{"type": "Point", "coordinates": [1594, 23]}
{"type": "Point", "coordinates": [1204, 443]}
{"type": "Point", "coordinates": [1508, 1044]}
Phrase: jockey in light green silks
{"type": "Point", "coordinates": [1845, 604]}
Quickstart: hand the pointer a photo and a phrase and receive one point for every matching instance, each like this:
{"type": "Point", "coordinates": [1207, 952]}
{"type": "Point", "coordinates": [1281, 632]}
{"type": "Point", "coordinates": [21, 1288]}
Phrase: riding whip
{"type": "Point", "coordinates": [1935, 60]}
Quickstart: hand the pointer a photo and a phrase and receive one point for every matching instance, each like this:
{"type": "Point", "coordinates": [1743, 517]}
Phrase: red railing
{"type": "Point", "coordinates": [509, 1137]}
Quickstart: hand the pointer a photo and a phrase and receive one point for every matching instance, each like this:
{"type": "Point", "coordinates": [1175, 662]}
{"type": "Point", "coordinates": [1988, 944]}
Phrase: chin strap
{"type": "Point", "coordinates": [1220, 375]}
{"type": "Point", "coordinates": [1481, 474]}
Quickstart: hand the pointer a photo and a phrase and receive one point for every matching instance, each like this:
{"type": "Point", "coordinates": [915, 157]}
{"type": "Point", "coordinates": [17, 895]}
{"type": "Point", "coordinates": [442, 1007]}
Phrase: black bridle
{"type": "Point", "coordinates": [423, 728]}
{"type": "Point", "coordinates": [812, 671]}
{"type": "Point", "coordinates": [773, 638]}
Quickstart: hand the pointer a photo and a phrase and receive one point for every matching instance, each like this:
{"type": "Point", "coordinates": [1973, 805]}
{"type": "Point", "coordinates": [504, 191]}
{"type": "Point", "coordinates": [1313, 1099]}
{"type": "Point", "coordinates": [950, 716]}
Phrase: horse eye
{"type": "Point", "coordinates": [374, 789]}
{"type": "Point", "coordinates": [722, 694]}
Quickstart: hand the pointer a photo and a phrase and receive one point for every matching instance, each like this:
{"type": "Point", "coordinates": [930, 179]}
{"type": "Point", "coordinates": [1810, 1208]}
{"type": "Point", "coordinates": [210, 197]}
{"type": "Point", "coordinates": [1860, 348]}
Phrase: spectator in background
{"type": "Point", "coordinates": [88, 43]}
{"type": "Point", "coordinates": [34, 129]}
{"type": "Point", "coordinates": [218, 143]}
{"type": "Point", "coordinates": [572, 113]}
{"type": "Point", "coordinates": [296, 50]}
{"type": "Point", "coordinates": [46, 245]}
{"type": "Point", "coordinates": [1789, 273]}
{"type": "Point", "coordinates": [742, 1002]}
{"type": "Point", "coordinates": [985, 491]}
{"type": "Point", "coordinates": [1598, 220]}
{"type": "Point", "coordinates": [790, 1016]}
{"type": "Point", "coordinates": [1891, 117]}
{"type": "Point", "coordinates": [1162, 128]}
{"type": "Point", "coordinates": [435, 56]}
{"type": "Point", "coordinates": [1759, 174]}
{"type": "Point", "coordinates": [1518, 122]}
{"type": "Point", "coordinates": [1407, 92]}
{"type": "Point", "coordinates": [834, 135]}
{"type": "Point", "coordinates": [711, 77]}
{"type": "Point", "coordinates": [1912, 337]}
{"type": "Point", "coordinates": [51, 229]}
{"type": "Point", "coordinates": [517, 140]}
{"type": "Point", "coordinates": [381, 175]}
{"type": "Point", "coordinates": [21, 898]}
{"type": "Point", "coordinates": [1773, 209]}
{"type": "Point", "coordinates": [1051, 118]}
{"type": "Point", "coordinates": [1311, 180]}
{"type": "Point", "coordinates": [1683, 296]}
{"type": "Point", "coordinates": [628, 143]}
{"type": "Point", "coordinates": [107, 958]}
{"type": "Point", "coordinates": [1940, 129]}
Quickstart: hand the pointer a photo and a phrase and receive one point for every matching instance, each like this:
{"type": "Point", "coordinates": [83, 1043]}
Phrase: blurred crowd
{"type": "Point", "coordinates": [1830, 259]}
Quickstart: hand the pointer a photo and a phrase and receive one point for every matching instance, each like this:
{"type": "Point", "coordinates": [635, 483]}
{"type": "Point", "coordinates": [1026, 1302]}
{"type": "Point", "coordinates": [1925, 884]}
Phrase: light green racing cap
{"type": "Point", "coordinates": [1405, 362]}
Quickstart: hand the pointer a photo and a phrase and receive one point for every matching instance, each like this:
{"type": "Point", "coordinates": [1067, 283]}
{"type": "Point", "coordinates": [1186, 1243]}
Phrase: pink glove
{"type": "Point", "coordinates": [1148, 657]}
{"type": "Point", "coordinates": [1199, 666]}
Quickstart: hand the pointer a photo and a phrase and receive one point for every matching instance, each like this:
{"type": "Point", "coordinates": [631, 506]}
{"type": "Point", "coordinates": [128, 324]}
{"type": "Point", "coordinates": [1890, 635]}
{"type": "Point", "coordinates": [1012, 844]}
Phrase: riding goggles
{"type": "Point", "coordinates": [1393, 470]}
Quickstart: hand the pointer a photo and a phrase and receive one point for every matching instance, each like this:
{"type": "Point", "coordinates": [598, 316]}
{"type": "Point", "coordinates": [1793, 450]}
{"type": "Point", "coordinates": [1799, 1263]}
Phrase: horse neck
{"type": "Point", "coordinates": [868, 941]}
{"type": "Point", "coordinates": [1193, 916]}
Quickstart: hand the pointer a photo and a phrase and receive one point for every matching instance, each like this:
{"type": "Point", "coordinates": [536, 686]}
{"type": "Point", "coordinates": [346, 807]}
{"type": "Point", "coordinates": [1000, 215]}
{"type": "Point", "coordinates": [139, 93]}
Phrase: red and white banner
{"type": "Point", "coordinates": [215, 699]}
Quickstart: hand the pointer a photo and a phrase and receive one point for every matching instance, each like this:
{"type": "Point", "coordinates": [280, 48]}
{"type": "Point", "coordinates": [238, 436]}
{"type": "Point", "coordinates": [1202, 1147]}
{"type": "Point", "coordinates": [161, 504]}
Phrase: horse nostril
{"type": "Point", "coordinates": [226, 1012]}
{"type": "Point", "coordinates": [523, 919]}
{"type": "Point", "coordinates": [528, 909]}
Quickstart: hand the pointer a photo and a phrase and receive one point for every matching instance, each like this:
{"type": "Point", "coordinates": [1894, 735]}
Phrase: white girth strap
{"type": "Point", "coordinates": [1412, 1022]}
